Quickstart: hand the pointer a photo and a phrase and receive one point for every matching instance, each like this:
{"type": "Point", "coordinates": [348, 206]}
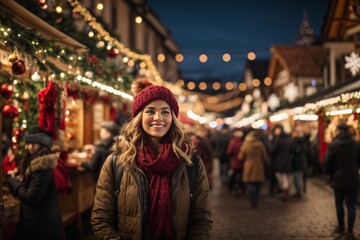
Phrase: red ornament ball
{"type": "Point", "coordinates": [18, 67]}
{"type": "Point", "coordinates": [6, 90]}
{"type": "Point", "coordinates": [112, 53]}
{"type": "Point", "coordinates": [10, 111]}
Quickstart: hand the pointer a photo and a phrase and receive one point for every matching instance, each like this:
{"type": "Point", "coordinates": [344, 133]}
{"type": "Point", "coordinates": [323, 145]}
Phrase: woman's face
{"type": "Point", "coordinates": [32, 148]}
{"type": "Point", "coordinates": [156, 119]}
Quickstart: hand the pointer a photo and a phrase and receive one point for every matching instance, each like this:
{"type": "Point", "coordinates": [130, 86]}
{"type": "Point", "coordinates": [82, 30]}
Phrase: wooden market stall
{"type": "Point", "coordinates": [80, 196]}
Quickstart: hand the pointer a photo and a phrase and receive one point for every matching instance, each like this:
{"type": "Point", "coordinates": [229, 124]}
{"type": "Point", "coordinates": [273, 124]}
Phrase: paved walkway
{"type": "Point", "coordinates": [311, 218]}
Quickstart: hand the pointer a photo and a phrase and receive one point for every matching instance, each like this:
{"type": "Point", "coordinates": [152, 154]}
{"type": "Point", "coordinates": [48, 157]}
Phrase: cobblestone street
{"type": "Point", "coordinates": [312, 217]}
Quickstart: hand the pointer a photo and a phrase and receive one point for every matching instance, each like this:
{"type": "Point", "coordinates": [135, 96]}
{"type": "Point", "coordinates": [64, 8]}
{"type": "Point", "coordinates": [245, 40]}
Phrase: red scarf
{"type": "Point", "coordinates": [160, 167]}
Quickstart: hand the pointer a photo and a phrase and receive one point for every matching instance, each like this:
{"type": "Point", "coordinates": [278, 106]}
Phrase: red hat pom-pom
{"type": "Point", "coordinates": [140, 84]}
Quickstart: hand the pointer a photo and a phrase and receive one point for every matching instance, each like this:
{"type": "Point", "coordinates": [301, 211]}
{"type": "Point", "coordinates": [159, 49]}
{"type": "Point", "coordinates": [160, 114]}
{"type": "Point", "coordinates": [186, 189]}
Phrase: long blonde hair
{"type": "Point", "coordinates": [132, 135]}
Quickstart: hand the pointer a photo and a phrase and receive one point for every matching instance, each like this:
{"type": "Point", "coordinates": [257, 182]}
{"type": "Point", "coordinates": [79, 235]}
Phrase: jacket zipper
{"type": "Point", "coordinates": [175, 194]}
{"type": "Point", "coordinates": [141, 203]}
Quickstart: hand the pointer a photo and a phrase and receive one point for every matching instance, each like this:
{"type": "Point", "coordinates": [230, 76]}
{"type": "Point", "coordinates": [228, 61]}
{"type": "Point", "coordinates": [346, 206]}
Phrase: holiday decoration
{"type": "Point", "coordinates": [112, 53]}
{"type": "Point", "coordinates": [10, 111]}
{"type": "Point", "coordinates": [273, 102]}
{"type": "Point", "coordinates": [47, 99]}
{"type": "Point", "coordinates": [6, 90]}
{"type": "Point", "coordinates": [353, 63]}
{"type": "Point", "coordinates": [13, 57]}
{"type": "Point", "coordinates": [93, 59]}
{"type": "Point", "coordinates": [43, 4]}
{"type": "Point", "coordinates": [89, 74]}
{"type": "Point", "coordinates": [18, 67]}
{"type": "Point", "coordinates": [291, 92]}
{"type": "Point", "coordinates": [35, 77]}
{"type": "Point", "coordinates": [305, 36]}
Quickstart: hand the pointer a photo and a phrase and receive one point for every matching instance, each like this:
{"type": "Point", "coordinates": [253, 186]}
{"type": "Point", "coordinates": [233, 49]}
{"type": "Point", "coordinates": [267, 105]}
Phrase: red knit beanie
{"type": "Point", "coordinates": [145, 92]}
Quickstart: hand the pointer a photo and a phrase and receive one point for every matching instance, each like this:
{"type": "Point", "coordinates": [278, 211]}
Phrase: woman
{"type": "Point", "coordinates": [235, 183]}
{"type": "Point", "coordinates": [40, 216]}
{"type": "Point", "coordinates": [154, 198]}
{"type": "Point", "coordinates": [253, 155]}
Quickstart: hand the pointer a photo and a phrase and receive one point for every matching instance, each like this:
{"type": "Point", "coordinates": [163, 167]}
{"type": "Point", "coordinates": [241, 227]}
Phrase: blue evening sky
{"type": "Point", "coordinates": [234, 26]}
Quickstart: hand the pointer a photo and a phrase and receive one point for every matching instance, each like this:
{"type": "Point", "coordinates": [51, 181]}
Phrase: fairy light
{"type": "Point", "coordinates": [138, 19]}
{"type": "Point", "coordinates": [203, 58]}
{"type": "Point", "coordinates": [279, 117]}
{"type": "Point", "coordinates": [92, 22]}
{"type": "Point", "coordinates": [226, 57]}
{"type": "Point", "coordinates": [179, 57]}
{"type": "Point", "coordinates": [58, 9]}
{"type": "Point", "coordinates": [251, 56]}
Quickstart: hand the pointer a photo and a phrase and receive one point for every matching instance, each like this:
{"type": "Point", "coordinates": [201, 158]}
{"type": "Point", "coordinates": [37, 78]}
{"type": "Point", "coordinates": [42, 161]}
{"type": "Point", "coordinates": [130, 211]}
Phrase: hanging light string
{"type": "Point", "coordinates": [220, 102]}
{"type": "Point", "coordinates": [79, 8]}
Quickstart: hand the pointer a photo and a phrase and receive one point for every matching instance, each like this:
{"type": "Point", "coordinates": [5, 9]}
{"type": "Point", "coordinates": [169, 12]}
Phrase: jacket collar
{"type": "Point", "coordinates": [44, 162]}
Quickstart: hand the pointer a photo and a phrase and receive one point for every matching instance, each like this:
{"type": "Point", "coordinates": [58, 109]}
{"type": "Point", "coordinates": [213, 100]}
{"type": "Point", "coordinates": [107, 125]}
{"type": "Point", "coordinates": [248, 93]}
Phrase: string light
{"type": "Point", "coordinates": [203, 58]}
{"type": "Point", "coordinates": [226, 57]}
{"type": "Point", "coordinates": [138, 19]}
{"type": "Point", "coordinates": [92, 22]}
{"type": "Point", "coordinates": [251, 56]}
{"type": "Point", "coordinates": [179, 57]}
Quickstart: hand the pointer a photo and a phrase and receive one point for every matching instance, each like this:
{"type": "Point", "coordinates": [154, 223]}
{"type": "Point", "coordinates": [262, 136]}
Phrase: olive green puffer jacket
{"type": "Point", "coordinates": [132, 205]}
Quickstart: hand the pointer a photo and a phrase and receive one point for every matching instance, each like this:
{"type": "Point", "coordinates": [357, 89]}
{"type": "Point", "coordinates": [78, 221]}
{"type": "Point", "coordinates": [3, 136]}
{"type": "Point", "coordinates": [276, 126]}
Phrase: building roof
{"type": "Point", "coordinates": [341, 20]}
{"type": "Point", "coordinates": [298, 60]}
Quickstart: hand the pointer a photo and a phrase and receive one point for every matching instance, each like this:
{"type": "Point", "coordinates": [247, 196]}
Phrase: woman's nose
{"type": "Point", "coordinates": [157, 116]}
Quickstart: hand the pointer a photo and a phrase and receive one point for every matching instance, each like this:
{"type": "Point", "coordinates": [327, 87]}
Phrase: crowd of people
{"type": "Point", "coordinates": [248, 158]}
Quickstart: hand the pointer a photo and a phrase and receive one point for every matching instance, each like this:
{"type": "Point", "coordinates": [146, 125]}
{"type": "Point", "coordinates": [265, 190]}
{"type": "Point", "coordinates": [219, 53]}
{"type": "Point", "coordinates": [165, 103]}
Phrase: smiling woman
{"type": "Point", "coordinates": [155, 200]}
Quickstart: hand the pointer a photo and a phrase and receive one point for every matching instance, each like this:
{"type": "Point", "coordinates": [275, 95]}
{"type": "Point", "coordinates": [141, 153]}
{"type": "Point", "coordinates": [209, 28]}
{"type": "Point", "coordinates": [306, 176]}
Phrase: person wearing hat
{"type": "Point", "coordinates": [108, 130]}
{"type": "Point", "coordinates": [40, 216]}
{"type": "Point", "coordinates": [342, 162]}
{"type": "Point", "coordinates": [154, 200]}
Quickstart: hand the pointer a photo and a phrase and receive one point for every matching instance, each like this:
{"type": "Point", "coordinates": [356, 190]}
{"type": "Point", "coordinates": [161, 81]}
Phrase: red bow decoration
{"type": "Point", "coordinates": [47, 99]}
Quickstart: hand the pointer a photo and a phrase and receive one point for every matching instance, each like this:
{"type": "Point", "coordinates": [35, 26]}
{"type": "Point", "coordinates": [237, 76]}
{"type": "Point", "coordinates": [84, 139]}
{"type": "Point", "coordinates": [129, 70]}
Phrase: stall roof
{"type": "Point", "coordinates": [26, 18]}
{"type": "Point", "coordinates": [350, 85]}
{"type": "Point", "coordinates": [298, 60]}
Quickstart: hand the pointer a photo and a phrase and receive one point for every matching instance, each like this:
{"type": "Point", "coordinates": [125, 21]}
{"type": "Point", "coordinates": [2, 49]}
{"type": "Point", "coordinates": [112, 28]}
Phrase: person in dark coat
{"type": "Point", "coordinates": [108, 131]}
{"type": "Point", "coordinates": [280, 157]}
{"type": "Point", "coordinates": [40, 216]}
{"type": "Point", "coordinates": [203, 149]}
{"type": "Point", "coordinates": [342, 161]}
{"type": "Point", "coordinates": [220, 142]}
{"type": "Point", "coordinates": [300, 152]}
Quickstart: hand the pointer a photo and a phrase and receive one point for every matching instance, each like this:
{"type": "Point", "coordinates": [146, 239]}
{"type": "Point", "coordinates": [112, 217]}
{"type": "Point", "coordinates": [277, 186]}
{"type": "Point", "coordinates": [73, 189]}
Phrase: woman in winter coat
{"type": "Point", "coordinates": [253, 155]}
{"type": "Point", "coordinates": [40, 216]}
{"type": "Point", "coordinates": [154, 200]}
{"type": "Point", "coordinates": [235, 183]}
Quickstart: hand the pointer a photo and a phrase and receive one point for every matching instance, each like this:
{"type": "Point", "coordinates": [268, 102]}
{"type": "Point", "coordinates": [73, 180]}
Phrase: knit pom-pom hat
{"type": "Point", "coordinates": [145, 92]}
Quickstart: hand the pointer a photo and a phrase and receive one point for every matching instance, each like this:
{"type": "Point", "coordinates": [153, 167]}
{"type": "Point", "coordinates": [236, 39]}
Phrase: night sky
{"type": "Point", "coordinates": [233, 26]}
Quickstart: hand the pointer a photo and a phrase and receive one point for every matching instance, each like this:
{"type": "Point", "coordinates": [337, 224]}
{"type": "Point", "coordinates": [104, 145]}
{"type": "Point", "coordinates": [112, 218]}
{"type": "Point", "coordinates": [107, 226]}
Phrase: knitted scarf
{"type": "Point", "coordinates": [160, 168]}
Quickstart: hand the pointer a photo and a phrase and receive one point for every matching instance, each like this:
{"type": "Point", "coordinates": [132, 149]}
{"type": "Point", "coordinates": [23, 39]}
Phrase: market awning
{"type": "Point", "coordinates": [26, 18]}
